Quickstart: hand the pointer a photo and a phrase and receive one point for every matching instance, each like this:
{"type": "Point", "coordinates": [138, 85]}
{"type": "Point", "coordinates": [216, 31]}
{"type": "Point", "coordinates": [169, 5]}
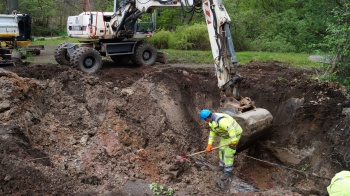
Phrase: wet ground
{"type": "Point", "coordinates": [116, 132]}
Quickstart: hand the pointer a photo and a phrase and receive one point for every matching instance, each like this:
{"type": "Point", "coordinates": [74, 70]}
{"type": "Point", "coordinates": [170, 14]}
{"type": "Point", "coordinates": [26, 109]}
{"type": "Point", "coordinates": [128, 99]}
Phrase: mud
{"type": "Point", "coordinates": [116, 131]}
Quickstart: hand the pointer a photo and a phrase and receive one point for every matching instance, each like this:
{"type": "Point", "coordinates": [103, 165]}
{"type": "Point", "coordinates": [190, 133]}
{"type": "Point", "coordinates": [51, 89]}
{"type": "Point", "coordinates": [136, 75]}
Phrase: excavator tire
{"type": "Point", "coordinates": [87, 60]}
{"type": "Point", "coordinates": [61, 55]}
{"type": "Point", "coordinates": [121, 59]}
{"type": "Point", "coordinates": [145, 55]}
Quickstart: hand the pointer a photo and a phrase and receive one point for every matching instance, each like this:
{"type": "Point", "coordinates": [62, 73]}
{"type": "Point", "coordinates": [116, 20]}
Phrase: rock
{"type": "Point", "coordinates": [142, 153]}
{"type": "Point", "coordinates": [40, 39]}
{"type": "Point", "coordinates": [185, 73]}
{"type": "Point", "coordinates": [318, 58]}
{"type": "Point", "coordinates": [346, 112]}
{"type": "Point", "coordinates": [4, 105]}
{"type": "Point", "coordinates": [93, 131]}
{"type": "Point", "coordinates": [72, 140]}
{"type": "Point", "coordinates": [7, 178]}
{"type": "Point", "coordinates": [84, 139]}
{"type": "Point", "coordinates": [167, 177]}
{"type": "Point", "coordinates": [127, 92]}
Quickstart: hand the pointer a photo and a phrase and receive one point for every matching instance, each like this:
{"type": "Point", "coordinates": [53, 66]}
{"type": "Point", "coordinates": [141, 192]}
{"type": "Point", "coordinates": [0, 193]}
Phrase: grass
{"type": "Point", "coordinates": [195, 56]}
{"type": "Point", "coordinates": [294, 59]}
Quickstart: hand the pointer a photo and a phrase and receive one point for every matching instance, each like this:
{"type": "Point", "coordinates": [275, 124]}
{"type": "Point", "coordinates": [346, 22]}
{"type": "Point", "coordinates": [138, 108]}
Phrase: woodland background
{"type": "Point", "coordinates": [297, 26]}
{"type": "Point", "coordinates": [267, 25]}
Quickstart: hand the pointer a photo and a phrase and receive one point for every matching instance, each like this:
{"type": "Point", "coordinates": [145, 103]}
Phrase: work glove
{"type": "Point", "coordinates": [233, 145]}
{"type": "Point", "coordinates": [209, 147]}
{"type": "Point", "coordinates": [234, 142]}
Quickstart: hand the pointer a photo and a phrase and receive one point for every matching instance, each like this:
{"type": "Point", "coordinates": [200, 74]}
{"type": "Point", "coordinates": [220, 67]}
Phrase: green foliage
{"type": "Point", "coordinates": [191, 37]}
{"type": "Point", "coordinates": [204, 57]}
{"type": "Point", "coordinates": [3, 7]}
{"type": "Point", "coordinates": [278, 43]}
{"type": "Point", "coordinates": [169, 18]}
{"type": "Point", "coordinates": [187, 37]}
{"type": "Point", "coordinates": [245, 28]}
{"type": "Point", "coordinates": [40, 30]}
{"type": "Point", "coordinates": [304, 167]}
{"type": "Point", "coordinates": [337, 44]}
{"type": "Point", "coordinates": [346, 82]}
{"type": "Point", "coordinates": [268, 25]}
{"type": "Point", "coordinates": [161, 39]}
{"type": "Point", "coordinates": [159, 189]}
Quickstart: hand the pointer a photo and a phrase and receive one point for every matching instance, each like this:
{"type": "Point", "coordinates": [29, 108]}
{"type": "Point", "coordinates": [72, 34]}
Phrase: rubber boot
{"type": "Point", "coordinates": [226, 176]}
{"type": "Point", "coordinates": [224, 181]}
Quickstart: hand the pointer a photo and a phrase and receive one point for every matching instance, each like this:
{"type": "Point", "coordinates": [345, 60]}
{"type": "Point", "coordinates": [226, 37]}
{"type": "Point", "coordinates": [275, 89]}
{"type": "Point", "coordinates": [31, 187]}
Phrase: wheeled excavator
{"type": "Point", "coordinates": [119, 35]}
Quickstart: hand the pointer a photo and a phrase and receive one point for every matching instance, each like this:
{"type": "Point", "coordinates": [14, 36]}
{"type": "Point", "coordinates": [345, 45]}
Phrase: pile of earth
{"type": "Point", "coordinates": [115, 132]}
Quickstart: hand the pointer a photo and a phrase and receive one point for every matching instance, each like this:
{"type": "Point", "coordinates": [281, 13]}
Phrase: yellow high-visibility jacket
{"type": "Point", "coordinates": [224, 126]}
{"type": "Point", "coordinates": [340, 184]}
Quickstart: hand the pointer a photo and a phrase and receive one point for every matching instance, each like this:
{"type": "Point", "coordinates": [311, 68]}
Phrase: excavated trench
{"type": "Point", "coordinates": [115, 132]}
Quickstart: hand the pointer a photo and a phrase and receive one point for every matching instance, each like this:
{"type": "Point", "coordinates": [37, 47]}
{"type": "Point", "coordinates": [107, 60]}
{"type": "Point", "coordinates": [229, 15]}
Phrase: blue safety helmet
{"type": "Point", "coordinates": [204, 114]}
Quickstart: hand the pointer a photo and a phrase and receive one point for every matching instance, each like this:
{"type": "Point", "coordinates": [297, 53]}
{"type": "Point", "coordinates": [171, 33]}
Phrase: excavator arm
{"type": "Point", "coordinates": [225, 60]}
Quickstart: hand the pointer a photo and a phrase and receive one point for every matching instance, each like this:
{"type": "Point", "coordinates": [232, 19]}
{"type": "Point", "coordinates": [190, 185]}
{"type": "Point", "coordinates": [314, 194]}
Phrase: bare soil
{"type": "Point", "coordinates": [115, 132]}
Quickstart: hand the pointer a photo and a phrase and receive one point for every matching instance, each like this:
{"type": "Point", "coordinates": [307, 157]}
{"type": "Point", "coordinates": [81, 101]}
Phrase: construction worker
{"type": "Point", "coordinates": [230, 132]}
{"type": "Point", "coordinates": [340, 184]}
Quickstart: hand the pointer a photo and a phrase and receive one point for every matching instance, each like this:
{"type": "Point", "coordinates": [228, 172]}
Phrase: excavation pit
{"type": "Point", "coordinates": [66, 132]}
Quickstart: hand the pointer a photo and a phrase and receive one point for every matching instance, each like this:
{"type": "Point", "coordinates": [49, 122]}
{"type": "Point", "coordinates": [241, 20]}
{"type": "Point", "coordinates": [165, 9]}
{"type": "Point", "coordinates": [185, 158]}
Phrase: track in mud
{"type": "Point", "coordinates": [98, 134]}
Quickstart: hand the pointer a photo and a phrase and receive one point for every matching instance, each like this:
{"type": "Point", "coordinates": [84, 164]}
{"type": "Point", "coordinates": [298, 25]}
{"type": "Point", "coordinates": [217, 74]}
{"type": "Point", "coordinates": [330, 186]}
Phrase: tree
{"type": "Point", "coordinates": [12, 5]}
{"type": "Point", "coordinates": [338, 42]}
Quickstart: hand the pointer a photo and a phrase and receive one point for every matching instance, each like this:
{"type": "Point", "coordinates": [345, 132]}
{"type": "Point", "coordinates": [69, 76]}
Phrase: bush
{"type": "Point", "coordinates": [194, 37]}
{"type": "Point", "coordinates": [160, 39]}
{"type": "Point", "coordinates": [44, 31]}
{"type": "Point", "coordinates": [278, 44]}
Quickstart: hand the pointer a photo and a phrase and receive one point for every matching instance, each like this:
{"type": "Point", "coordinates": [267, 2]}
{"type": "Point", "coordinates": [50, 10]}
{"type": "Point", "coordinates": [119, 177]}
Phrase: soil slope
{"type": "Point", "coordinates": [115, 132]}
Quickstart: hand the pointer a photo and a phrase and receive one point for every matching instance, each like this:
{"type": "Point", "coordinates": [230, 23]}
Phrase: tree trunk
{"type": "Point", "coordinates": [12, 5]}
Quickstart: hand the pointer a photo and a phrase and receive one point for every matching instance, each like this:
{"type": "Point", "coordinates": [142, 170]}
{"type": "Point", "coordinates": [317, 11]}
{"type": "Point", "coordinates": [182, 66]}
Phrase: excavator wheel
{"type": "Point", "coordinates": [121, 59]}
{"type": "Point", "coordinates": [61, 55]}
{"type": "Point", "coordinates": [145, 55]}
{"type": "Point", "coordinates": [87, 60]}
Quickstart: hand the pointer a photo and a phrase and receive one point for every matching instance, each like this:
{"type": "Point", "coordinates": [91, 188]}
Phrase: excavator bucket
{"type": "Point", "coordinates": [255, 122]}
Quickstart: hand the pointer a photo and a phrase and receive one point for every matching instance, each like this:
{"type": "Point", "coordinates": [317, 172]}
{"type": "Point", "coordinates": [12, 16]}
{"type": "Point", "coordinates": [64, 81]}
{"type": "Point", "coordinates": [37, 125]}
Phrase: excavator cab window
{"type": "Point", "coordinates": [145, 24]}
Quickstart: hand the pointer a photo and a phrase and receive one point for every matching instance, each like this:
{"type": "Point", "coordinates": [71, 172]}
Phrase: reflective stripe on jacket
{"type": "Point", "coordinates": [224, 126]}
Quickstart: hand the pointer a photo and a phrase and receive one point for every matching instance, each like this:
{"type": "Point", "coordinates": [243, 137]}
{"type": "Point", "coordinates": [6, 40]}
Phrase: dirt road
{"type": "Point", "coordinates": [116, 131]}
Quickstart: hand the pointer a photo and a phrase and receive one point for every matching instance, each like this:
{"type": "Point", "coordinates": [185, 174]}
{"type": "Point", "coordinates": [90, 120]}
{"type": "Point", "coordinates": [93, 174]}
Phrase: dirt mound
{"type": "Point", "coordinates": [116, 131]}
